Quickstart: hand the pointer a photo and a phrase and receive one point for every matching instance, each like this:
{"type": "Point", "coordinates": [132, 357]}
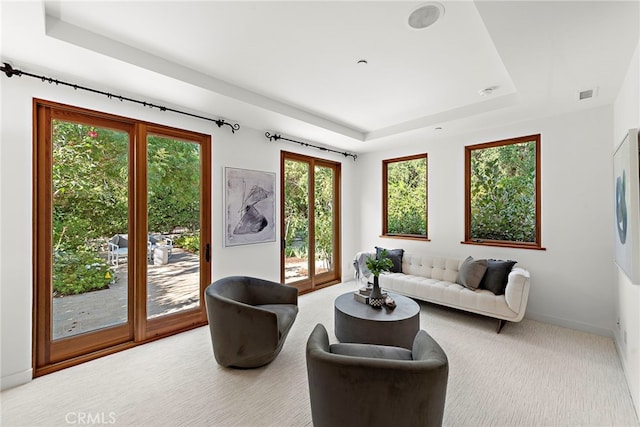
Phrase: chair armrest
{"type": "Point", "coordinates": [318, 340]}
{"type": "Point", "coordinates": [113, 247]}
{"type": "Point", "coordinates": [516, 293]}
{"type": "Point", "coordinates": [425, 348]}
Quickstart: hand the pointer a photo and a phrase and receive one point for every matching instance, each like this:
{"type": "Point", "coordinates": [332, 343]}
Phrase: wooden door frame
{"type": "Point", "coordinates": [159, 327]}
{"type": "Point", "coordinates": [49, 355]}
{"type": "Point", "coordinates": [313, 282]}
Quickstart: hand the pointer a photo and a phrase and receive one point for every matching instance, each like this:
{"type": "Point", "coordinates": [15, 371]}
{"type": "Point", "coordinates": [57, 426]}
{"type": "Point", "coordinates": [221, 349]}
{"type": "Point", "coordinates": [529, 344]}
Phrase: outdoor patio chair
{"type": "Point", "coordinates": [118, 247]}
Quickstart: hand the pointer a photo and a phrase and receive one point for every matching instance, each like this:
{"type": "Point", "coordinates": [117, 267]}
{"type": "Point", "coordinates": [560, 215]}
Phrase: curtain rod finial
{"type": "Point", "coordinates": [220, 122]}
{"type": "Point", "coordinates": [273, 137]}
{"type": "Point", "coordinates": [9, 70]}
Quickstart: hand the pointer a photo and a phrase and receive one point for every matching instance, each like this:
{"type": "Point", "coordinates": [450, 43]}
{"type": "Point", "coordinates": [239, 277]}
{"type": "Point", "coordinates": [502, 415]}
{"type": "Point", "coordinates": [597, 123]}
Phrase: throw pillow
{"type": "Point", "coordinates": [395, 255]}
{"type": "Point", "coordinates": [471, 272]}
{"type": "Point", "coordinates": [495, 279]}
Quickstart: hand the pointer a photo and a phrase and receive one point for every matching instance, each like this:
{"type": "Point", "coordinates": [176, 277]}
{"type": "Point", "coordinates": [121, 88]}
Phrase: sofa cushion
{"type": "Point", "coordinates": [395, 255]}
{"type": "Point", "coordinates": [471, 272]}
{"type": "Point", "coordinates": [496, 276]}
{"type": "Point", "coordinates": [430, 267]}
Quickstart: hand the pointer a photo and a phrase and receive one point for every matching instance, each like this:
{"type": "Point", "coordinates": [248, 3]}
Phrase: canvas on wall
{"type": "Point", "coordinates": [627, 206]}
{"type": "Point", "coordinates": [249, 207]}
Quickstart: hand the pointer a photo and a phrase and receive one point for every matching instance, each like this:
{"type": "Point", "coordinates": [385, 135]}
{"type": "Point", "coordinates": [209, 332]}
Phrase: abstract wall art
{"type": "Point", "coordinates": [249, 207]}
{"type": "Point", "coordinates": [627, 206]}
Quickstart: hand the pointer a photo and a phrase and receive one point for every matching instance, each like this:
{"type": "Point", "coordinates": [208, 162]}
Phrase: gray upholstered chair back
{"type": "Point", "coordinates": [372, 385]}
{"type": "Point", "coordinates": [254, 291]}
{"type": "Point", "coordinates": [121, 240]}
{"type": "Point", "coordinates": [249, 319]}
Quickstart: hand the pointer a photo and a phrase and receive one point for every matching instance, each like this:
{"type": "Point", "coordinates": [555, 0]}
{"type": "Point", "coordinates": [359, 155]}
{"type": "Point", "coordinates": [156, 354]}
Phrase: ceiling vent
{"type": "Point", "coordinates": [587, 94]}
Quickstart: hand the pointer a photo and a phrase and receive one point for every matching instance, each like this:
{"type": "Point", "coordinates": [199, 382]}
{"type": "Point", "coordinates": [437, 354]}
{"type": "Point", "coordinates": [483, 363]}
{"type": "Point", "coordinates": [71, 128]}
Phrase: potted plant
{"type": "Point", "coordinates": [376, 266]}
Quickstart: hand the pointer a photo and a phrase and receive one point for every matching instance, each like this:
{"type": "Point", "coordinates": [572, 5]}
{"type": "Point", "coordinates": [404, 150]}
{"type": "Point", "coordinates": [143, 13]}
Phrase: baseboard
{"type": "Point", "coordinates": [625, 369]}
{"type": "Point", "coordinates": [571, 324]}
{"type": "Point", "coordinates": [15, 380]}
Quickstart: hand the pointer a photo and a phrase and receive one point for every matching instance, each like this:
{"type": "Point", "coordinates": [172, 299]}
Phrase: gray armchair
{"type": "Point", "coordinates": [249, 319]}
{"type": "Point", "coordinates": [375, 385]}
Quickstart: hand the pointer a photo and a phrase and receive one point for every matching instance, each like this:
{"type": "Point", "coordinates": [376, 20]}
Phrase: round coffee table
{"type": "Point", "coordinates": [361, 323]}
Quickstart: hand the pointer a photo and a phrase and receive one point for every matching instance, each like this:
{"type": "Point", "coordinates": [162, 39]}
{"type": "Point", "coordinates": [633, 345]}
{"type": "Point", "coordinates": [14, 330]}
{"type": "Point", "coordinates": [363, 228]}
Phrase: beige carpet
{"type": "Point", "coordinates": [531, 374]}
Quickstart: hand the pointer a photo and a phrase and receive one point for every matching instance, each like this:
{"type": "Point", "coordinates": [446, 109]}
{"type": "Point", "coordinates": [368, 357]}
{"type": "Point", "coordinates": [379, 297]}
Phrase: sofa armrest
{"type": "Point", "coordinates": [517, 291]}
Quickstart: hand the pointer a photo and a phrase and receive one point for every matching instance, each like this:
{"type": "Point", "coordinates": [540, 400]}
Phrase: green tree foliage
{"type": "Point", "coordinates": [296, 211]}
{"type": "Point", "coordinates": [503, 193]}
{"type": "Point", "coordinates": [324, 215]}
{"type": "Point", "coordinates": [296, 208]}
{"type": "Point", "coordinates": [173, 177]}
{"type": "Point", "coordinates": [90, 184]}
{"type": "Point", "coordinates": [407, 197]}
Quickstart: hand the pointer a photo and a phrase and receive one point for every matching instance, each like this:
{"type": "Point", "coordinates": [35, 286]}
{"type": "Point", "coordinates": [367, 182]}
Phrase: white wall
{"type": "Point", "coordinates": [627, 334]}
{"type": "Point", "coordinates": [571, 281]}
{"type": "Point", "coordinates": [248, 149]}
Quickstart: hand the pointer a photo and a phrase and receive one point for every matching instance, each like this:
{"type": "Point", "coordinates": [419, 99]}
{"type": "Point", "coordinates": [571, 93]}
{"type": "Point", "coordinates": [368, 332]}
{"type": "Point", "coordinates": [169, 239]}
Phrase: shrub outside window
{"type": "Point", "coordinates": [502, 193]}
{"type": "Point", "coordinates": [404, 197]}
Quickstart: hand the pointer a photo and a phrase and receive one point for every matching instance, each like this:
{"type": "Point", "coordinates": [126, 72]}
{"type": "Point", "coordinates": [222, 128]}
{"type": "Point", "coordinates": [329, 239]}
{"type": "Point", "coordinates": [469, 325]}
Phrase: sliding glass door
{"type": "Point", "coordinates": [121, 233]}
{"type": "Point", "coordinates": [310, 221]}
{"type": "Point", "coordinates": [177, 223]}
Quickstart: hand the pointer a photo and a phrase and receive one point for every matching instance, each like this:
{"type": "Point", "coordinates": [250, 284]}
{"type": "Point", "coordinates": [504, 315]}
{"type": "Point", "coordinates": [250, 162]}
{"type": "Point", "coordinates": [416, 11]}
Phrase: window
{"type": "Point", "coordinates": [502, 193]}
{"type": "Point", "coordinates": [404, 198]}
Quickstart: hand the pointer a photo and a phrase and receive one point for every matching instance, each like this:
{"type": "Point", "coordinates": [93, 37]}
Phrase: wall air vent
{"type": "Point", "coordinates": [586, 94]}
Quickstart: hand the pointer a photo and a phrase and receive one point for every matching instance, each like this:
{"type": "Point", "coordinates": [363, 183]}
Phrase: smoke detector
{"type": "Point", "coordinates": [487, 91]}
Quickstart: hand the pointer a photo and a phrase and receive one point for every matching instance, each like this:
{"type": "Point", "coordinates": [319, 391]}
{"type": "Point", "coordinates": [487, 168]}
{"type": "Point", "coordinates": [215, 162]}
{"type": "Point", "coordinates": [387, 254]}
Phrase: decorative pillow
{"type": "Point", "coordinates": [471, 272]}
{"type": "Point", "coordinates": [395, 255]}
{"type": "Point", "coordinates": [497, 275]}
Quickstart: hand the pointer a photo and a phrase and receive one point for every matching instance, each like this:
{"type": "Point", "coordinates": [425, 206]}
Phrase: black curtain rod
{"type": "Point", "coordinates": [276, 137]}
{"type": "Point", "coordinates": [10, 71]}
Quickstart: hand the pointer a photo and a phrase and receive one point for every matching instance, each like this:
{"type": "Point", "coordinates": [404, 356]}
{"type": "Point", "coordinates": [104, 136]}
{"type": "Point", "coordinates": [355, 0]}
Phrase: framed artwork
{"type": "Point", "coordinates": [627, 206]}
{"type": "Point", "coordinates": [250, 207]}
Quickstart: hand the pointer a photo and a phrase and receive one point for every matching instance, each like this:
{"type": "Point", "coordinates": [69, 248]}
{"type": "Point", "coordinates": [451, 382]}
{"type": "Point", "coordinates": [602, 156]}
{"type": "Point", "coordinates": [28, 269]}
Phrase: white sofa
{"type": "Point", "coordinates": [433, 279]}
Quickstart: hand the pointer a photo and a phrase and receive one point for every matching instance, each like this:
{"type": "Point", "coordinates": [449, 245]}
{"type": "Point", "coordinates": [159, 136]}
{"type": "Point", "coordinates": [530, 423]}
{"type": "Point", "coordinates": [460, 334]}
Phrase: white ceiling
{"type": "Point", "coordinates": [291, 67]}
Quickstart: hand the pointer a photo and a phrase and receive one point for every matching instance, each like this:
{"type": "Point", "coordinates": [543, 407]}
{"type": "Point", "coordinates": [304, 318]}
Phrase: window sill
{"type": "Point", "coordinates": [515, 245]}
{"type": "Point", "coordinates": [405, 237]}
